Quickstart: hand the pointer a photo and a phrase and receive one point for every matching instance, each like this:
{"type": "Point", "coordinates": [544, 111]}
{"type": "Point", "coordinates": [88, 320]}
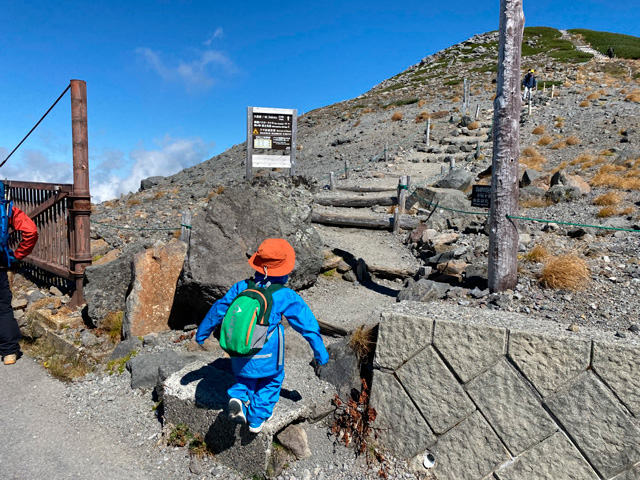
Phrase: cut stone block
{"type": "Point", "coordinates": [434, 389]}
{"type": "Point", "coordinates": [400, 337]}
{"type": "Point", "coordinates": [549, 362]}
{"type": "Point", "coordinates": [399, 423]}
{"type": "Point", "coordinates": [556, 457]}
{"type": "Point", "coordinates": [197, 397]}
{"type": "Point", "coordinates": [510, 407]}
{"type": "Point", "coordinates": [599, 426]}
{"type": "Point", "coordinates": [468, 451]}
{"type": "Point", "coordinates": [469, 349]}
{"type": "Point", "coordinates": [619, 367]}
{"type": "Point", "coordinates": [632, 474]}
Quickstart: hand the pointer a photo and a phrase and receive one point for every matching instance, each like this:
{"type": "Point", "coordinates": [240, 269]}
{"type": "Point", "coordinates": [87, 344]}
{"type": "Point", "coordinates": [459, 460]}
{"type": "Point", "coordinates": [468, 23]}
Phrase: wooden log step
{"type": "Point", "coordinates": [367, 189]}
{"type": "Point", "coordinates": [363, 222]}
{"type": "Point", "coordinates": [356, 201]}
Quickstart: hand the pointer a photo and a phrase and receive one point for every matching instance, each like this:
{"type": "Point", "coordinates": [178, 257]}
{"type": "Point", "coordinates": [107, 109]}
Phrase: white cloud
{"type": "Point", "coordinates": [173, 156]}
{"type": "Point", "coordinates": [217, 34]}
{"type": "Point", "coordinates": [196, 73]}
{"type": "Point", "coordinates": [36, 166]}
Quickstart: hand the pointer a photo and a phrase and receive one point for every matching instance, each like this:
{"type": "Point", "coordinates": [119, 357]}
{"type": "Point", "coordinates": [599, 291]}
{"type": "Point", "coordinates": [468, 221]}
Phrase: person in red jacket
{"type": "Point", "coordinates": [9, 330]}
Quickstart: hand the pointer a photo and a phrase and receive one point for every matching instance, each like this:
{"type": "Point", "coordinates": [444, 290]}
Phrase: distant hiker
{"type": "Point", "coordinates": [256, 346]}
{"type": "Point", "coordinates": [610, 52]}
{"type": "Point", "coordinates": [11, 218]}
{"type": "Point", "coordinates": [529, 83]}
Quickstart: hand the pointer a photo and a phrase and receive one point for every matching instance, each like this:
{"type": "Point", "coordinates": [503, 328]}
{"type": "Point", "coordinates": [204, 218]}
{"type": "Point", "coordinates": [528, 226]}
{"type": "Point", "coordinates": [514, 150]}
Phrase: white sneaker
{"type": "Point", "coordinates": [257, 427]}
{"type": "Point", "coordinates": [236, 411]}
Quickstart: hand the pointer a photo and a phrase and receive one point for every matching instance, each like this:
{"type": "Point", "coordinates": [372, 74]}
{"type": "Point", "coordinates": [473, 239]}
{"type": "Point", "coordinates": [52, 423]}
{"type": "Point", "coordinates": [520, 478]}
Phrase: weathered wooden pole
{"type": "Point", "coordinates": [402, 198]}
{"type": "Point", "coordinates": [185, 231]}
{"type": "Point", "coordinates": [80, 198]}
{"type": "Point", "coordinates": [553, 90]}
{"type": "Point", "coordinates": [332, 181]}
{"type": "Point", "coordinates": [346, 169]}
{"type": "Point", "coordinates": [386, 151]}
{"type": "Point", "coordinates": [428, 130]}
{"type": "Point", "coordinates": [503, 231]}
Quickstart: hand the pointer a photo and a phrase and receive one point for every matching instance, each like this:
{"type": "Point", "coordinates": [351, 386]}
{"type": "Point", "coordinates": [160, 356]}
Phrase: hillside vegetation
{"type": "Point", "coordinates": [625, 46]}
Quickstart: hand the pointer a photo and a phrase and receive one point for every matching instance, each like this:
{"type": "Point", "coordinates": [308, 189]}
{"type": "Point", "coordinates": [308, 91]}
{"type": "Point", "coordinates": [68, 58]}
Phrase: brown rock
{"type": "Point", "coordinates": [295, 439]}
{"type": "Point", "coordinates": [107, 257]}
{"type": "Point", "coordinates": [155, 275]}
{"type": "Point", "coordinates": [452, 267]}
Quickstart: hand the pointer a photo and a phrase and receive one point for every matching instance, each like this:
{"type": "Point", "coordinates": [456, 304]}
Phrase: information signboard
{"type": "Point", "coordinates": [481, 196]}
{"type": "Point", "coordinates": [271, 138]}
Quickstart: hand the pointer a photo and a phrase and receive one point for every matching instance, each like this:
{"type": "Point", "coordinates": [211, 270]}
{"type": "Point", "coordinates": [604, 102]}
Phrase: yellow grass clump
{"type": "Point", "coordinates": [567, 271]}
{"type": "Point", "coordinates": [609, 198]}
{"type": "Point", "coordinates": [422, 117]}
{"type": "Point", "coordinates": [585, 103]}
{"type": "Point", "coordinates": [363, 342]}
{"type": "Point", "coordinates": [608, 211]}
{"type": "Point", "coordinates": [537, 254]}
{"type": "Point", "coordinates": [633, 97]}
{"type": "Point", "coordinates": [581, 159]}
{"type": "Point", "coordinates": [397, 116]}
{"type": "Point", "coordinates": [421, 103]}
{"type": "Point", "coordinates": [455, 99]}
{"type": "Point", "coordinates": [539, 130]}
{"type": "Point", "coordinates": [534, 163]}
{"type": "Point", "coordinates": [572, 140]}
{"type": "Point", "coordinates": [593, 96]}
{"type": "Point", "coordinates": [530, 152]}
{"type": "Point", "coordinates": [559, 145]}
{"type": "Point", "coordinates": [546, 140]}
{"type": "Point", "coordinates": [535, 203]}
{"type": "Point", "coordinates": [473, 126]}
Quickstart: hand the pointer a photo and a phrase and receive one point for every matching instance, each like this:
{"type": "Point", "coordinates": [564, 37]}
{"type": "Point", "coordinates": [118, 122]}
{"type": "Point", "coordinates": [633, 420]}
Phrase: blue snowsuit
{"type": "Point", "coordinates": [259, 377]}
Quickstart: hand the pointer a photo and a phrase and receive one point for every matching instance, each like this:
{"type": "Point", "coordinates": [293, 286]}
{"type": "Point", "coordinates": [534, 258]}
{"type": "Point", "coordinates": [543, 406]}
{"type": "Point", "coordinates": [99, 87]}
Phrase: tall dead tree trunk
{"type": "Point", "coordinates": [503, 231]}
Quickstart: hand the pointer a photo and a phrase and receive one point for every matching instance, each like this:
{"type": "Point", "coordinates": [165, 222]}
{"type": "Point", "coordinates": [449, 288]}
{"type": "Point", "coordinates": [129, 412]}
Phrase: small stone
{"type": "Point", "coordinates": [54, 291]}
{"type": "Point", "coordinates": [573, 327]}
{"type": "Point", "coordinates": [634, 328]}
{"type": "Point", "coordinates": [19, 303]}
{"type": "Point", "coordinates": [621, 335]}
{"type": "Point", "coordinates": [350, 277]}
{"type": "Point", "coordinates": [190, 327]}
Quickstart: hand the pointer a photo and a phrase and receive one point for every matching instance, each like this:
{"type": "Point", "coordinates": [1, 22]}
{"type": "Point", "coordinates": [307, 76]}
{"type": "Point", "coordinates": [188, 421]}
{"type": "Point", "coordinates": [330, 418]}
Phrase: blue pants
{"type": "Point", "coordinates": [261, 393]}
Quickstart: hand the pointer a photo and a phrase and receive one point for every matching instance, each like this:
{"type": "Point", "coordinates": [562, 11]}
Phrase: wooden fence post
{"type": "Point", "coordinates": [185, 233]}
{"type": "Point", "coordinates": [428, 130]}
{"type": "Point", "coordinates": [346, 169]}
{"type": "Point", "coordinates": [386, 151]}
{"type": "Point", "coordinates": [332, 181]}
{"type": "Point", "coordinates": [402, 198]}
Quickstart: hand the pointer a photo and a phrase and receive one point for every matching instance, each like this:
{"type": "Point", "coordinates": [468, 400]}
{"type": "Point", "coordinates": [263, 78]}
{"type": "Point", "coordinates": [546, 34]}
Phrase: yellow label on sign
{"type": "Point", "coordinates": [256, 132]}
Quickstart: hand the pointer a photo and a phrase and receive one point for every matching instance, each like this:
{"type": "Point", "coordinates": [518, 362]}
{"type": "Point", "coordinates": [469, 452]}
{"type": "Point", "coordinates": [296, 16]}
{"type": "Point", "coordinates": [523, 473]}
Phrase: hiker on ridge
{"type": "Point", "coordinates": [11, 217]}
{"type": "Point", "coordinates": [259, 371]}
{"type": "Point", "coordinates": [529, 83]}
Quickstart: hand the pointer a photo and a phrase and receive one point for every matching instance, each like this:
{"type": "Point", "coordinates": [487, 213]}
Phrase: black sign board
{"type": "Point", "coordinates": [481, 196]}
{"type": "Point", "coordinates": [272, 131]}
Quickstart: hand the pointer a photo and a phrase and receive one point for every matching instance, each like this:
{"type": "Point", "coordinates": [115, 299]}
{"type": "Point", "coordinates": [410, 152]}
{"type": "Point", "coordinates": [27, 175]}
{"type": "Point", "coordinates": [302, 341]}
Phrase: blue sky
{"type": "Point", "coordinates": [168, 82]}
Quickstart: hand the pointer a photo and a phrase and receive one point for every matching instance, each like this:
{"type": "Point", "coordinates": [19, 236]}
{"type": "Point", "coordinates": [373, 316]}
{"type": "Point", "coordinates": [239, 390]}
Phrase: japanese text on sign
{"type": "Point", "coordinates": [275, 127]}
{"type": "Point", "coordinates": [481, 196]}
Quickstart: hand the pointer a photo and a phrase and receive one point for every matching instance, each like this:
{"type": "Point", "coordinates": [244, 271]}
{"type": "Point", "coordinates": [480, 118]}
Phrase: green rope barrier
{"type": "Point", "coordinates": [122, 227]}
{"type": "Point", "coordinates": [604, 227]}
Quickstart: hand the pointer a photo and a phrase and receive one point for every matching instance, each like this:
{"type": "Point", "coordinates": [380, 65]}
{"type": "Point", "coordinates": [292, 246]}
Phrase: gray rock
{"type": "Point", "coordinates": [451, 199]}
{"type": "Point", "coordinates": [125, 347]}
{"type": "Point", "coordinates": [560, 193]}
{"type": "Point", "coordinates": [236, 222]}
{"type": "Point", "coordinates": [531, 193]}
{"type": "Point", "coordinates": [55, 291]}
{"type": "Point", "coordinates": [469, 450]}
{"type": "Point", "coordinates": [350, 276]}
{"type": "Point", "coordinates": [469, 349]}
{"type": "Point", "coordinates": [594, 419]}
{"type": "Point", "coordinates": [145, 367]}
{"type": "Point", "coordinates": [294, 437]}
{"type": "Point", "coordinates": [19, 303]}
{"type": "Point", "coordinates": [422, 290]}
{"type": "Point", "coordinates": [510, 407]}
{"type": "Point", "coordinates": [435, 391]}
{"type": "Point", "coordinates": [106, 285]}
{"type": "Point", "coordinates": [35, 296]}
{"type": "Point", "coordinates": [342, 369]}
{"type": "Point", "coordinates": [147, 183]}
{"type": "Point", "coordinates": [457, 178]}
{"type": "Point", "coordinates": [399, 423]}
{"type": "Point", "coordinates": [548, 362]}
{"type": "Point", "coordinates": [555, 457]}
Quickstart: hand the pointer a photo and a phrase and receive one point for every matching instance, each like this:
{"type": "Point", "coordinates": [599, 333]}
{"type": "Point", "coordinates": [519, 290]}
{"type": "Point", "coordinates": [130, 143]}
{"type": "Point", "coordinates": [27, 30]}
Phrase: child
{"type": "Point", "coordinates": [259, 377]}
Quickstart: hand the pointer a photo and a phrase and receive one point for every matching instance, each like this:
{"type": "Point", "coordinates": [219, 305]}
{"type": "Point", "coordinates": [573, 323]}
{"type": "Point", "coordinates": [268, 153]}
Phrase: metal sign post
{"type": "Point", "coordinates": [271, 130]}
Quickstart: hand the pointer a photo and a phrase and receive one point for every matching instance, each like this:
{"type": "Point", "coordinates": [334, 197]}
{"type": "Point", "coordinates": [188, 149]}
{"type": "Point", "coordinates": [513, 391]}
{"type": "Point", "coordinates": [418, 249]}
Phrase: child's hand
{"type": "Point", "coordinates": [318, 367]}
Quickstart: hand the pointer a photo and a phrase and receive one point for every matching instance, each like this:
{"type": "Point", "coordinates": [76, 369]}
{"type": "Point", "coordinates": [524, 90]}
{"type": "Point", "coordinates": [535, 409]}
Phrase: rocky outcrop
{"type": "Point", "coordinates": [154, 275]}
{"type": "Point", "coordinates": [230, 229]}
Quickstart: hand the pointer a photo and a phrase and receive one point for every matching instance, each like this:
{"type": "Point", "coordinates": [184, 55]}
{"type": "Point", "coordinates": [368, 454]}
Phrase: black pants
{"type": "Point", "coordinates": [9, 330]}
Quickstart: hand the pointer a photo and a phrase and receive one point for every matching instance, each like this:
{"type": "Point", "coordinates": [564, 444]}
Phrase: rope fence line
{"type": "Point", "coordinates": [36, 125]}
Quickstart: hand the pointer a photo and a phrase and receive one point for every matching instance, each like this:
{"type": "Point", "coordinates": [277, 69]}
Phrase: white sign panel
{"type": "Point", "coordinates": [271, 161]}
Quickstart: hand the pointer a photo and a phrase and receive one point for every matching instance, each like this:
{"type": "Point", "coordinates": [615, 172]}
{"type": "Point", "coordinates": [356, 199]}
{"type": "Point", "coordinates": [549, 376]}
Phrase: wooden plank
{"type": "Point", "coordinates": [332, 330]}
{"type": "Point", "coordinates": [356, 202]}
{"type": "Point", "coordinates": [367, 189]}
{"type": "Point", "coordinates": [363, 222]}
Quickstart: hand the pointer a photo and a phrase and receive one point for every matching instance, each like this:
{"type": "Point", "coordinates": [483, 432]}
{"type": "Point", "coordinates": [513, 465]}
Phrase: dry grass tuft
{"type": "Point", "coordinates": [535, 203]}
{"type": "Point", "coordinates": [572, 140]}
{"type": "Point", "coordinates": [422, 117]}
{"type": "Point", "coordinates": [585, 103]}
{"type": "Point", "coordinates": [546, 140]}
{"type": "Point", "coordinates": [627, 211]}
{"type": "Point", "coordinates": [134, 201]}
{"type": "Point", "coordinates": [593, 96]}
{"type": "Point", "coordinates": [537, 254]}
{"type": "Point", "coordinates": [367, 110]}
{"type": "Point", "coordinates": [473, 126]}
{"type": "Point", "coordinates": [582, 159]}
{"type": "Point", "coordinates": [609, 198]}
{"type": "Point", "coordinates": [559, 145]}
{"type": "Point", "coordinates": [567, 271]}
{"type": "Point", "coordinates": [421, 103]}
{"type": "Point", "coordinates": [530, 152]}
{"type": "Point", "coordinates": [608, 211]}
{"type": "Point", "coordinates": [455, 99]}
{"type": "Point", "coordinates": [534, 163]}
{"type": "Point", "coordinates": [539, 130]}
{"type": "Point", "coordinates": [363, 342]}
{"type": "Point", "coordinates": [633, 97]}
{"type": "Point", "coordinates": [397, 116]}
{"type": "Point", "coordinates": [112, 325]}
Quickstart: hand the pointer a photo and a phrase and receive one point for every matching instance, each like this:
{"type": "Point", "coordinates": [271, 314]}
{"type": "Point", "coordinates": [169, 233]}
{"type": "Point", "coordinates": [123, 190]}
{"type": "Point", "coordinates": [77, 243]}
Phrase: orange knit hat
{"type": "Point", "coordinates": [275, 257]}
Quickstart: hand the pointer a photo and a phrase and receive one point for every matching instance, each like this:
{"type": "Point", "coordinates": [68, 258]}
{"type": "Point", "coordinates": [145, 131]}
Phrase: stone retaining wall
{"type": "Point", "coordinates": [495, 395]}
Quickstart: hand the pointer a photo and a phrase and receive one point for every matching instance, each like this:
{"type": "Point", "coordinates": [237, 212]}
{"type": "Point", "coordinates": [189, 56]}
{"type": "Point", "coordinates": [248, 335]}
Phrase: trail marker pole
{"type": "Point", "coordinates": [185, 233]}
{"type": "Point", "coordinates": [503, 231]}
{"type": "Point", "coordinates": [332, 181]}
{"type": "Point", "coordinates": [346, 169]}
{"type": "Point", "coordinates": [428, 133]}
{"type": "Point", "coordinates": [386, 151]}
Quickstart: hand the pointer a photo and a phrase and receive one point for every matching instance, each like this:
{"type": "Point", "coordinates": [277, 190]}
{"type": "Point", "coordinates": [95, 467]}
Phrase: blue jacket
{"type": "Point", "coordinates": [529, 80]}
{"type": "Point", "coordinates": [270, 360]}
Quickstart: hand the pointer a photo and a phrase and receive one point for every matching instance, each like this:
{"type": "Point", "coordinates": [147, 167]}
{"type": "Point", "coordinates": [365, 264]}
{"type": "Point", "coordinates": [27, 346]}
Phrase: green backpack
{"type": "Point", "coordinates": [244, 326]}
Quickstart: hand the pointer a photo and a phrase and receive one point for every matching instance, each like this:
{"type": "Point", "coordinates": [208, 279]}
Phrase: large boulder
{"type": "Point", "coordinates": [450, 203]}
{"type": "Point", "coordinates": [155, 274]}
{"type": "Point", "coordinates": [457, 178]}
{"type": "Point", "coordinates": [230, 229]}
{"type": "Point", "coordinates": [106, 285]}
